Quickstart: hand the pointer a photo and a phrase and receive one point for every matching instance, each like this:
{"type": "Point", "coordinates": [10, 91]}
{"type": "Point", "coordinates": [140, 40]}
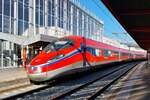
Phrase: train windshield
{"type": "Point", "coordinates": [57, 45]}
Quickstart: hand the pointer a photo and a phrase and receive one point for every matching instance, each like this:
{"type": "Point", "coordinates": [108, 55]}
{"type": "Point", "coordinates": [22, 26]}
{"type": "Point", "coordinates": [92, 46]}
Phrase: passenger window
{"type": "Point", "coordinates": [91, 50]}
{"type": "Point", "coordinates": [107, 53]}
{"type": "Point", "coordinates": [124, 54]}
{"type": "Point", "coordinates": [98, 52]}
{"type": "Point", "coordinates": [115, 54]}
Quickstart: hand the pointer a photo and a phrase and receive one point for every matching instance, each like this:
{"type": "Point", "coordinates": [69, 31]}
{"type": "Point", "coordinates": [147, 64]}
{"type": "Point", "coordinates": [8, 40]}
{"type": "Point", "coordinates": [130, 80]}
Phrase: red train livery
{"type": "Point", "coordinates": [74, 52]}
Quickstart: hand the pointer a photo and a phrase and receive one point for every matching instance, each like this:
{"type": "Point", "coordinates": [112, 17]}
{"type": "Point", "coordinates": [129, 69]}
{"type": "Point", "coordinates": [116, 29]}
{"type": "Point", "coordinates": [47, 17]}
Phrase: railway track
{"type": "Point", "coordinates": [85, 90]}
{"type": "Point", "coordinates": [100, 90]}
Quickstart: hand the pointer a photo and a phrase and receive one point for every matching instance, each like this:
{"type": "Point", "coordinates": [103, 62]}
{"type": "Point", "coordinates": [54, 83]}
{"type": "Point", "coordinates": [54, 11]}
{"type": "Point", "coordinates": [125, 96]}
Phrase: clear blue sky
{"type": "Point", "coordinates": [111, 25]}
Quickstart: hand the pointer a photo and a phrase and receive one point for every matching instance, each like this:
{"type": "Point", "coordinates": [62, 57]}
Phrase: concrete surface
{"type": "Point", "coordinates": [12, 74]}
{"type": "Point", "coordinates": [15, 81]}
{"type": "Point", "coordinates": [134, 86]}
{"type": "Point", "coordinates": [13, 78]}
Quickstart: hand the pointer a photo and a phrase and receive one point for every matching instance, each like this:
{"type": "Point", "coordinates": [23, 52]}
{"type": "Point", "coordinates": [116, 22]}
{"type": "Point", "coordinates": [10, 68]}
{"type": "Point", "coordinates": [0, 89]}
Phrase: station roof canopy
{"type": "Point", "coordinates": [26, 40]}
{"type": "Point", "coordinates": [134, 16]}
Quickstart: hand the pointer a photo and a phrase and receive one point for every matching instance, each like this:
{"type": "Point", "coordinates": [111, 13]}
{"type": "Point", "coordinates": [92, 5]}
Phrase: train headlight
{"type": "Point", "coordinates": [33, 68]}
{"type": "Point", "coordinates": [36, 69]}
{"type": "Point", "coordinates": [39, 70]}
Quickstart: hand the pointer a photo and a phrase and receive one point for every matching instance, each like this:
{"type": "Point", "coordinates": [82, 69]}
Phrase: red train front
{"type": "Point", "coordinates": [57, 57]}
{"type": "Point", "coordinates": [74, 53]}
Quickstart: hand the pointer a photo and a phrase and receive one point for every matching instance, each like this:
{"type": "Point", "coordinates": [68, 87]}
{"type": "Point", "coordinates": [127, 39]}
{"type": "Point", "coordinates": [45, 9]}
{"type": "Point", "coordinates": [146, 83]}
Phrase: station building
{"type": "Point", "coordinates": [31, 23]}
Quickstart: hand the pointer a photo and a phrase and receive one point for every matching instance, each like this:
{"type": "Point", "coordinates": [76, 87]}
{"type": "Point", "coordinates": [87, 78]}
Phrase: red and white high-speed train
{"type": "Point", "coordinates": [74, 52]}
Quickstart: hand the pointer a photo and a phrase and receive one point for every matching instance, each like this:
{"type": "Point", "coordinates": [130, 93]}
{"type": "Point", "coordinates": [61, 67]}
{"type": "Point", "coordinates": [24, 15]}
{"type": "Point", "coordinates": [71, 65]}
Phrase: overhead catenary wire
{"type": "Point", "coordinates": [112, 20]}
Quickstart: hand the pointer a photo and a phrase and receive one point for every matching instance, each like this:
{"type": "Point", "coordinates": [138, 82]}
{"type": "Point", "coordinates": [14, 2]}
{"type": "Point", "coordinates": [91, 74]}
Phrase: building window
{"type": "Point", "coordinates": [62, 13]}
{"type": "Point", "coordinates": [0, 6]}
{"type": "Point", "coordinates": [26, 13]}
{"type": "Point", "coordinates": [53, 13]}
{"type": "Point", "coordinates": [0, 23]}
{"type": "Point", "coordinates": [74, 20]}
{"type": "Point", "coordinates": [85, 25]}
{"type": "Point", "coordinates": [69, 15]}
{"type": "Point", "coordinates": [26, 2]}
{"type": "Point", "coordinates": [41, 12]}
{"type": "Point", "coordinates": [41, 18]}
{"type": "Point", "coordinates": [6, 26]}
{"type": "Point", "coordinates": [41, 5]}
{"type": "Point", "coordinates": [20, 27]}
{"type": "Point", "coordinates": [49, 20]}
{"type": "Point", "coordinates": [49, 12]}
{"type": "Point", "coordinates": [26, 26]}
{"type": "Point", "coordinates": [37, 12]}
{"type": "Point", "coordinates": [7, 7]}
{"type": "Point", "coordinates": [59, 13]}
{"type": "Point", "coordinates": [12, 25]}
{"type": "Point", "coordinates": [12, 8]}
{"type": "Point", "coordinates": [20, 1]}
{"type": "Point", "coordinates": [80, 23]}
{"type": "Point", "coordinates": [37, 16]}
{"type": "Point", "coordinates": [20, 10]}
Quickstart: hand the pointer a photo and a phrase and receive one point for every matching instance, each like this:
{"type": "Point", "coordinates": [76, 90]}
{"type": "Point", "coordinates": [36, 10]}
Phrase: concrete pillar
{"type": "Point", "coordinates": [2, 55]}
{"type": "Point", "coordinates": [14, 60]}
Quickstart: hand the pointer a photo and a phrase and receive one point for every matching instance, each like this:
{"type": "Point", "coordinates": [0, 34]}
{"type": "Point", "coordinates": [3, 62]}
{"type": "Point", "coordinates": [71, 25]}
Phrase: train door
{"type": "Point", "coordinates": [83, 52]}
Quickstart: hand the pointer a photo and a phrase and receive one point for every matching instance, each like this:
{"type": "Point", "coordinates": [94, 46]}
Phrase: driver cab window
{"type": "Point", "coordinates": [57, 45]}
{"type": "Point", "coordinates": [63, 44]}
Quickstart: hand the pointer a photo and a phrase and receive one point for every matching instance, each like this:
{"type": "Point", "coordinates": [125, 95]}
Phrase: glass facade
{"type": "Point", "coordinates": [31, 17]}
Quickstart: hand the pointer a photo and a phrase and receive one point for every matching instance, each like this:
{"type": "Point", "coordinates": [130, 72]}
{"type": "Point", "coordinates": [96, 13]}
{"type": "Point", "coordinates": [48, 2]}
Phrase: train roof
{"type": "Point", "coordinates": [97, 44]}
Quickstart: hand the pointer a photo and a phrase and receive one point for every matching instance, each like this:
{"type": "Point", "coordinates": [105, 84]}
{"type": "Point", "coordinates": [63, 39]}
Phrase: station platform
{"type": "Point", "coordinates": [134, 86]}
{"type": "Point", "coordinates": [13, 78]}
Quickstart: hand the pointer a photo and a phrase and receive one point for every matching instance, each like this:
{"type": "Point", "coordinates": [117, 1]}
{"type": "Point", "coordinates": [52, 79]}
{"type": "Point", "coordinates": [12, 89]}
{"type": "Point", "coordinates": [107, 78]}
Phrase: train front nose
{"type": "Point", "coordinates": [36, 74]}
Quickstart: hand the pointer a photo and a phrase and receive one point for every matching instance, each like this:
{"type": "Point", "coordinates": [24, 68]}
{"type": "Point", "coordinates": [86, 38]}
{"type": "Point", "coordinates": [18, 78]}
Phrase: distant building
{"type": "Point", "coordinates": [24, 22]}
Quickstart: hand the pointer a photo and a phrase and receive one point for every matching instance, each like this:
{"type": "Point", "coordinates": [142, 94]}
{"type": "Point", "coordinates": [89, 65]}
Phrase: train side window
{"type": "Point", "coordinates": [107, 53]}
{"type": "Point", "coordinates": [91, 50]}
{"type": "Point", "coordinates": [124, 54]}
{"type": "Point", "coordinates": [116, 54]}
{"type": "Point", "coordinates": [97, 52]}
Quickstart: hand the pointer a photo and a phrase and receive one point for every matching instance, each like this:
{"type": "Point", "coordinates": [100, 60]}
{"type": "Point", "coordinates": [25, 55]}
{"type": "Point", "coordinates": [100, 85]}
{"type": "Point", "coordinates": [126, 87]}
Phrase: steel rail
{"type": "Point", "coordinates": [69, 92]}
{"type": "Point", "coordinates": [30, 91]}
{"type": "Point", "coordinates": [100, 91]}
